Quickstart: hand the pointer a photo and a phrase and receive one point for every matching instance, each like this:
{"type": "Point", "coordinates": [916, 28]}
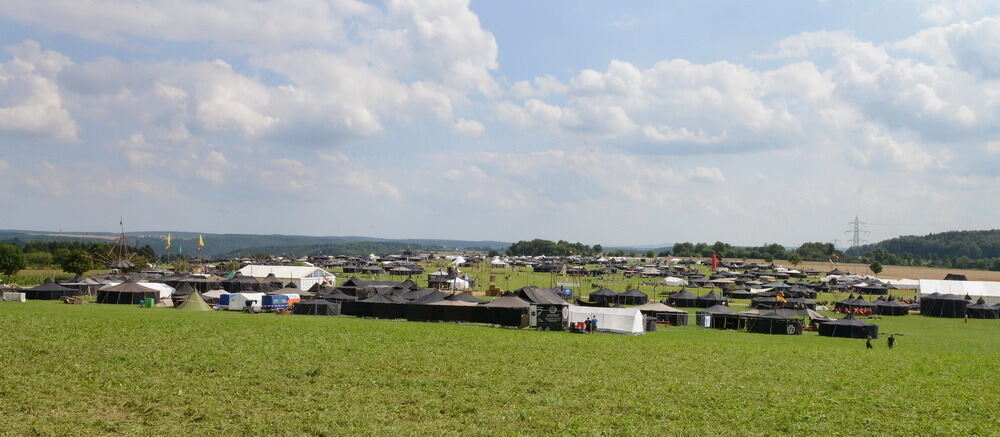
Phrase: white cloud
{"type": "Point", "coordinates": [707, 174]}
{"type": "Point", "coordinates": [469, 128]}
{"type": "Point", "coordinates": [30, 98]}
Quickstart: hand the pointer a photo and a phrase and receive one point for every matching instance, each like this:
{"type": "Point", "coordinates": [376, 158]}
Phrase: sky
{"type": "Point", "coordinates": [619, 123]}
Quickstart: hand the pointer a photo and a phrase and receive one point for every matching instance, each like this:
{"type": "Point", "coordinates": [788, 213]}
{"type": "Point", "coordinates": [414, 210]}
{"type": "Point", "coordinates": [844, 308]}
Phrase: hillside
{"type": "Point", "coordinates": [220, 244]}
{"type": "Point", "coordinates": [971, 244]}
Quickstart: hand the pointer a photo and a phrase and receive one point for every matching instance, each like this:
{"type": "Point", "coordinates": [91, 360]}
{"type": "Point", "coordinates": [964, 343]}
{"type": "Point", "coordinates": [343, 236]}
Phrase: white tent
{"type": "Point", "coordinates": [617, 320]}
{"type": "Point", "coordinates": [458, 261]}
{"type": "Point", "coordinates": [303, 277]}
{"type": "Point", "coordinates": [458, 284]}
{"type": "Point", "coordinates": [904, 284]}
{"type": "Point", "coordinates": [238, 301]}
{"type": "Point", "coordinates": [988, 290]}
{"type": "Point", "coordinates": [674, 281]}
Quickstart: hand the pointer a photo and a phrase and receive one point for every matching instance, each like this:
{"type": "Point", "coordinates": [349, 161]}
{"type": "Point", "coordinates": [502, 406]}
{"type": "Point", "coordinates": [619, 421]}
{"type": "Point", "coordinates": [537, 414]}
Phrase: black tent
{"type": "Point", "coordinates": [240, 283]}
{"type": "Point", "coordinates": [336, 295]}
{"type": "Point", "coordinates": [664, 313]}
{"type": "Point", "coordinates": [464, 297]}
{"type": "Point", "coordinates": [710, 299]}
{"type": "Point", "coordinates": [49, 291]}
{"type": "Point", "coordinates": [317, 307]}
{"type": "Point", "coordinates": [181, 293]}
{"type": "Point", "coordinates": [603, 296]}
{"type": "Point", "coordinates": [428, 298]}
{"type": "Point", "coordinates": [633, 297]}
{"type": "Point", "coordinates": [848, 327]}
{"type": "Point", "coordinates": [891, 308]}
{"type": "Point", "coordinates": [738, 293]}
{"type": "Point", "coordinates": [126, 293]}
{"type": "Point", "coordinates": [875, 288]}
{"type": "Point", "coordinates": [719, 317]}
{"type": "Point", "coordinates": [682, 298]}
{"type": "Point", "coordinates": [955, 277]}
{"type": "Point", "coordinates": [772, 323]}
{"type": "Point", "coordinates": [581, 302]}
{"type": "Point", "coordinates": [943, 305]}
{"type": "Point", "coordinates": [980, 310]}
{"type": "Point", "coordinates": [541, 295]}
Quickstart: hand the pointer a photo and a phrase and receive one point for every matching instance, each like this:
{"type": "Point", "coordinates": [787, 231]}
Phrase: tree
{"type": "Point", "coordinates": [38, 259]}
{"type": "Point", "coordinates": [876, 267]}
{"type": "Point", "coordinates": [231, 266]}
{"type": "Point", "coordinates": [77, 263]}
{"type": "Point", "coordinates": [768, 258]}
{"type": "Point", "coordinates": [650, 254]}
{"type": "Point", "coordinates": [11, 259]}
{"type": "Point", "coordinates": [794, 259]}
{"type": "Point", "coordinates": [493, 253]}
{"type": "Point", "coordinates": [181, 265]}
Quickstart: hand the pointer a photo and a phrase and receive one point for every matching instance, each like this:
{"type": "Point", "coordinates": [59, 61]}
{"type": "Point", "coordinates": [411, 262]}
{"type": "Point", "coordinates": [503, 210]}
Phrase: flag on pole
{"type": "Point", "coordinates": [168, 242]}
{"type": "Point", "coordinates": [201, 241]}
{"type": "Point", "coordinates": [780, 297]}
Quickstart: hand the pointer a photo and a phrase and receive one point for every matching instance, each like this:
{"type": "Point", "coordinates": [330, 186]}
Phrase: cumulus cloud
{"type": "Point", "coordinates": [30, 98]}
{"type": "Point", "coordinates": [469, 128]}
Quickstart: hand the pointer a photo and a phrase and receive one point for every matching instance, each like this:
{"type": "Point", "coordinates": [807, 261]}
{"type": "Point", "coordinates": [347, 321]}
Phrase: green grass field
{"type": "Point", "coordinates": [107, 369]}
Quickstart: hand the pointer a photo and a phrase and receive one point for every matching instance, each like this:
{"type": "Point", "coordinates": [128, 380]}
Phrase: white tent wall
{"type": "Point", "coordinates": [163, 290]}
{"type": "Point", "coordinates": [904, 284]}
{"type": "Point", "coordinates": [618, 320]}
{"type": "Point", "coordinates": [988, 290]}
{"type": "Point", "coordinates": [303, 277]}
{"type": "Point", "coordinates": [238, 301]}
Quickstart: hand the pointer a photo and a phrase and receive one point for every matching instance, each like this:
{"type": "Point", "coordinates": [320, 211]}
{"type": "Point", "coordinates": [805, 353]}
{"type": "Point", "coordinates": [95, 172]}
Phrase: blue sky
{"type": "Point", "coordinates": [604, 122]}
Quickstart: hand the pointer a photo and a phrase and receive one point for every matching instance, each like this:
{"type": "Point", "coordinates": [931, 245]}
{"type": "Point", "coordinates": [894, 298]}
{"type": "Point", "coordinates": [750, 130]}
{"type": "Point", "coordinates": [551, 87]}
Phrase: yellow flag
{"type": "Point", "coordinates": [201, 241]}
{"type": "Point", "coordinates": [168, 242]}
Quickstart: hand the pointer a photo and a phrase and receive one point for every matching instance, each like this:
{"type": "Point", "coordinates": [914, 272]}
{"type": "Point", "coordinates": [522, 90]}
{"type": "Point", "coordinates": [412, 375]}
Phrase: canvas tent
{"type": "Point", "coordinates": [49, 291]}
{"type": "Point", "coordinates": [129, 292]}
{"type": "Point", "coordinates": [632, 297]}
{"type": "Point", "coordinates": [664, 313]}
{"type": "Point", "coordinates": [616, 320]}
{"type": "Point", "coordinates": [943, 305]}
{"type": "Point", "coordinates": [891, 308]}
{"type": "Point", "coordinates": [682, 298]}
{"type": "Point", "coordinates": [718, 317]}
{"type": "Point", "coordinates": [194, 303]}
{"type": "Point", "coordinates": [317, 307]}
{"type": "Point", "coordinates": [240, 301]}
{"type": "Point", "coordinates": [982, 310]}
{"type": "Point", "coordinates": [603, 296]}
{"type": "Point", "coordinates": [303, 277]}
{"type": "Point", "coordinates": [848, 327]}
{"type": "Point", "coordinates": [988, 290]}
{"type": "Point", "coordinates": [710, 299]}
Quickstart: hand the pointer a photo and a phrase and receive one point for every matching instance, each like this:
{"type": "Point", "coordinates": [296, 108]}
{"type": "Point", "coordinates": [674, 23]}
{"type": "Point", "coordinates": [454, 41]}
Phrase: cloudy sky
{"type": "Point", "coordinates": [604, 122]}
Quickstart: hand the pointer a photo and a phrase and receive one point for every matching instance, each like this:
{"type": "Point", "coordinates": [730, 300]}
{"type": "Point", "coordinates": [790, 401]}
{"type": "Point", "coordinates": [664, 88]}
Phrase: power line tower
{"type": "Point", "coordinates": [856, 232]}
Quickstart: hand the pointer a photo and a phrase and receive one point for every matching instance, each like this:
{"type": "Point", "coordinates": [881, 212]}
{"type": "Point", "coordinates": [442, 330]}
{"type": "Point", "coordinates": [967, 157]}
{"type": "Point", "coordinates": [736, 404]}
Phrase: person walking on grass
{"type": "Point", "coordinates": [891, 341]}
{"type": "Point", "coordinates": [868, 342]}
{"type": "Point", "coordinates": [586, 325]}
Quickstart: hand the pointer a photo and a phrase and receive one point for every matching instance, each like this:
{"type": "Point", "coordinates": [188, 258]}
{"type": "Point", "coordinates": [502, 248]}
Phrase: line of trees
{"type": "Point", "coordinates": [74, 257]}
{"type": "Point", "coordinates": [539, 247]}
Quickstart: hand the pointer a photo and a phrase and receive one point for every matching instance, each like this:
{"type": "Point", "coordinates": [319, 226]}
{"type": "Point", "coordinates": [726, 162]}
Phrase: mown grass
{"type": "Point", "coordinates": [106, 369]}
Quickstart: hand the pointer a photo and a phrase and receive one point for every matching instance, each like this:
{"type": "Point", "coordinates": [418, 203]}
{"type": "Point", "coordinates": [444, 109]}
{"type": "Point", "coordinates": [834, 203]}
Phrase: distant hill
{"type": "Point", "coordinates": [225, 244]}
{"type": "Point", "coordinates": [971, 244]}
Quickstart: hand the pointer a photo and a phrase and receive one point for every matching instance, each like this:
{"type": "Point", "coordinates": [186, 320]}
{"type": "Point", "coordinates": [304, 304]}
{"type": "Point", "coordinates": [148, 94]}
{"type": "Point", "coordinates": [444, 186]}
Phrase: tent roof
{"type": "Point", "coordinates": [464, 297]}
{"type": "Point", "coordinates": [383, 298]}
{"type": "Point", "coordinates": [541, 295]}
{"type": "Point", "coordinates": [604, 292]}
{"type": "Point", "coordinates": [848, 320]}
{"type": "Point", "coordinates": [717, 309]}
{"type": "Point", "coordinates": [130, 286]}
{"type": "Point", "coordinates": [634, 293]}
{"type": "Point", "coordinates": [455, 303]}
{"type": "Point", "coordinates": [51, 286]}
{"type": "Point", "coordinates": [683, 294]}
{"type": "Point", "coordinates": [508, 302]}
{"type": "Point", "coordinates": [285, 272]}
{"type": "Point", "coordinates": [194, 303]}
{"type": "Point", "coordinates": [657, 307]}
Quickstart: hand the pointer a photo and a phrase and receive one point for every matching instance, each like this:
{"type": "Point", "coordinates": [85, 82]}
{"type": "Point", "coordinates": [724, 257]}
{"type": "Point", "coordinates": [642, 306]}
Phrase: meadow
{"type": "Point", "coordinates": [109, 369]}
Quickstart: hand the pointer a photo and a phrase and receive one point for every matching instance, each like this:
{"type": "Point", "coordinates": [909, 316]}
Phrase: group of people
{"type": "Point", "coordinates": [590, 325]}
{"type": "Point", "coordinates": [890, 342]}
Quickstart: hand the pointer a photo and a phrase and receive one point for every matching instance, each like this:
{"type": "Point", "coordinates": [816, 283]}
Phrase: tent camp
{"type": "Point", "coordinates": [603, 296]}
{"type": "Point", "coordinates": [632, 297]}
{"type": "Point", "coordinates": [302, 277]}
{"type": "Point", "coordinates": [891, 307]}
{"type": "Point", "coordinates": [616, 320]}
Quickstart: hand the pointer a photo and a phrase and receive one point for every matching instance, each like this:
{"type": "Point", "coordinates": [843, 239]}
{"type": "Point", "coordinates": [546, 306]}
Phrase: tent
{"type": "Point", "coordinates": [772, 323]}
{"type": "Point", "coordinates": [240, 301]}
{"type": "Point", "coordinates": [182, 293]}
{"type": "Point", "coordinates": [465, 297]}
{"type": "Point", "coordinates": [194, 303]}
{"type": "Point", "coordinates": [317, 307]}
{"type": "Point", "coordinates": [603, 296]}
{"type": "Point", "coordinates": [682, 298]}
{"type": "Point", "coordinates": [541, 295]}
{"type": "Point", "coordinates": [303, 277]}
{"type": "Point", "coordinates": [616, 320]}
{"type": "Point", "coordinates": [943, 305]}
{"type": "Point", "coordinates": [710, 299]}
{"type": "Point", "coordinates": [980, 310]}
{"type": "Point", "coordinates": [718, 317]}
{"type": "Point", "coordinates": [508, 302]}
{"type": "Point", "coordinates": [738, 293]}
{"type": "Point", "coordinates": [632, 297]}
{"type": "Point", "coordinates": [664, 313]}
{"type": "Point", "coordinates": [129, 292]}
{"type": "Point", "coordinates": [212, 297]}
{"type": "Point", "coordinates": [673, 281]}
{"type": "Point", "coordinates": [848, 327]}
{"type": "Point", "coordinates": [891, 308]}
{"type": "Point", "coordinates": [988, 290]}
{"type": "Point", "coordinates": [49, 291]}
